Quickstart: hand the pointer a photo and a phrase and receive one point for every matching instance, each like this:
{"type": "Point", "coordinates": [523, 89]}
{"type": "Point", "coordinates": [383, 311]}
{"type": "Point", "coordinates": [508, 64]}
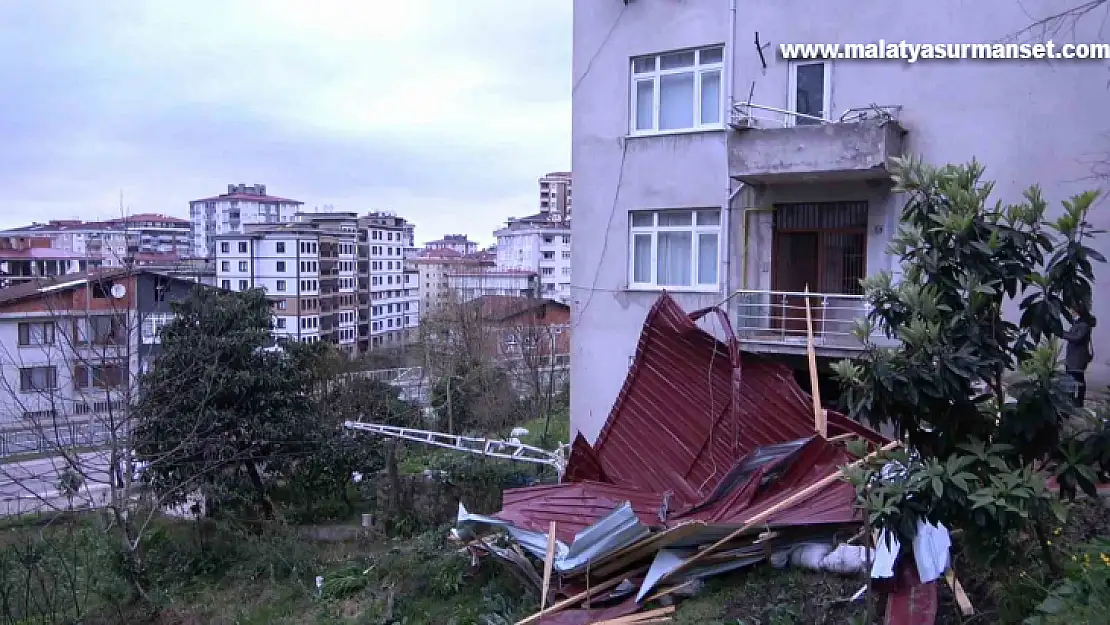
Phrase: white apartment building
{"type": "Point", "coordinates": [112, 241]}
{"type": "Point", "coordinates": [434, 266]}
{"type": "Point", "coordinates": [465, 284]}
{"type": "Point", "coordinates": [308, 269]}
{"type": "Point", "coordinates": [456, 242]}
{"type": "Point", "coordinates": [540, 246]}
{"type": "Point", "coordinates": [393, 281]}
{"type": "Point", "coordinates": [228, 213]}
{"type": "Point", "coordinates": [556, 200]}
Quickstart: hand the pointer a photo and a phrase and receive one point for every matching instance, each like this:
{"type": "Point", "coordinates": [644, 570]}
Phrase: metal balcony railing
{"type": "Point", "coordinates": [779, 318]}
{"type": "Point", "coordinates": [752, 115]}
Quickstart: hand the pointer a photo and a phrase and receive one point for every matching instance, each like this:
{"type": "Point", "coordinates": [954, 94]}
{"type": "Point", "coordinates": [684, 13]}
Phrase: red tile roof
{"type": "Point", "coordinates": [148, 217]}
{"type": "Point", "coordinates": [501, 307]}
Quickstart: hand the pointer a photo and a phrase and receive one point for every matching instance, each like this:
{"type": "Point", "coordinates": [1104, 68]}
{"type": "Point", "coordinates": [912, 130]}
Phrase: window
{"type": "Point", "coordinates": [677, 91]}
{"type": "Point", "coordinates": [548, 255]}
{"type": "Point", "coordinates": [38, 379]}
{"type": "Point", "coordinates": [281, 247]}
{"type": "Point", "coordinates": [810, 91]}
{"type": "Point", "coordinates": [281, 266]}
{"type": "Point", "coordinates": [34, 334]}
{"type": "Point", "coordinates": [243, 266]}
{"type": "Point", "coordinates": [282, 305]}
{"type": "Point", "coordinates": [225, 285]}
{"type": "Point", "coordinates": [281, 285]}
{"type": "Point", "coordinates": [225, 248]}
{"type": "Point", "coordinates": [225, 266]}
{"type": "Point", "coordinates": [242, 247]}
{"type": "Point", "coordinates": [280, 324]}
{"type": "Point", "coordinates": [104, 329]}
{"type": "Point", "coordinates": [566, 254]}
{"type": "Point", "coordinates": [547, 271]}
{"type": "Point", "coordinates": [243, 285]}
{"type": "Point", "coordinates": [152, 327]}
{"type": "Point", "coordinates": [674, 248]}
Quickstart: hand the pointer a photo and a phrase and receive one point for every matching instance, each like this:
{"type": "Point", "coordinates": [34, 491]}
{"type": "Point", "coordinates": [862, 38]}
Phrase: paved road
{"type": "Point", "coordinates": [32, 485]}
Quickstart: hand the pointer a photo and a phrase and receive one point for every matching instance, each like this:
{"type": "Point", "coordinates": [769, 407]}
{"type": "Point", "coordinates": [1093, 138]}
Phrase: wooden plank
{"type": "Point", "coordinates": [962, 600]}
{"type": "Point", "coordinates": [582, 596]}
{"type": "Point", "coordinates": [759, 518]}
{"type": "Point", "coordinates": [819, 417]}
{"type": "Point", "coordinates": [672, 589]}
{"type": "Point", "coordinates": [548, 563]}
{"type": "Point", "coordinates": [640, 617]}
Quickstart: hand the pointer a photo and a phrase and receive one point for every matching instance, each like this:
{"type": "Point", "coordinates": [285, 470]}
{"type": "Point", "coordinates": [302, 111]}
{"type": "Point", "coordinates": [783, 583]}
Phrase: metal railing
{"type": "Point", "coordinates": [50, 437]}
{"type": "Point", "coordinates": [779, 318]}
{"type": "Point", "coordinates": [752, 115]}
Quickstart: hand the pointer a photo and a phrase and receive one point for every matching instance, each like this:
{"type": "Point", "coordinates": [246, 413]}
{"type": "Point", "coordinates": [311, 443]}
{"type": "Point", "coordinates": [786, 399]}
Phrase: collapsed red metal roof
{"type": "Point", "coordinates": [692, 412]}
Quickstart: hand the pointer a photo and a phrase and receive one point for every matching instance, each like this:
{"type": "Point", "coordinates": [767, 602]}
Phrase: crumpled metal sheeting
{"type": "Point", "coordinates": [574, 507]}
{"type": "Point", "coordinates": [618, 529]}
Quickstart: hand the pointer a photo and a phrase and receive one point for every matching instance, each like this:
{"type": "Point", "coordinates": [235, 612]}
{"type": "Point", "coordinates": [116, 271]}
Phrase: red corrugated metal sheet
{"type": "Point", "coordinates": [691, 409]}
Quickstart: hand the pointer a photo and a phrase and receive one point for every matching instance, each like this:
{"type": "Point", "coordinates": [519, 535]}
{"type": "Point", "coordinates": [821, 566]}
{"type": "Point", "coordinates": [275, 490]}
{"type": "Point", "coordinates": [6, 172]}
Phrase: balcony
{"type": "Point", "coordinates": [800, 148]}
{"type": "Point", "coordinates": [775, 322]}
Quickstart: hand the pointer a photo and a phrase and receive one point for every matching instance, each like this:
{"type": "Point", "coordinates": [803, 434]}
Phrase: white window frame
{"type": "Point", "coordinates": [698, 69]}
{"type": "Point", "coordinates": [654, 230]}
{"type": "Point", "coordinates": [792, 94]}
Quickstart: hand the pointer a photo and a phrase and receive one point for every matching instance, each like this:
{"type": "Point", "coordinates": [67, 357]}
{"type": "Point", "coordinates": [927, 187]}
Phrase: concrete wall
{"type": "Point", "coordinates": [1027, 121]}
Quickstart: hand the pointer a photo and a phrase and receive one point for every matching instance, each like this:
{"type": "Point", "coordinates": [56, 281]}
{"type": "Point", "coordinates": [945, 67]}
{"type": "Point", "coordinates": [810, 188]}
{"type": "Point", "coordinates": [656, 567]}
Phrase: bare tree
{"type": "Point", "coordinates": [68, 383]}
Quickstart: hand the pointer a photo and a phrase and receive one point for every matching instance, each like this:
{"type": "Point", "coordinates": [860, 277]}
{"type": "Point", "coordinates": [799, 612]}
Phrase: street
{"type": "Point", "coordinates": [32, 485]}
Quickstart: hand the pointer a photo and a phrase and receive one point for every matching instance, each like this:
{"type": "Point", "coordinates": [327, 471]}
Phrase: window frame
{"type": "Point", "coordinates": [792, 89]}
{"type": "Point", "coordinates": [698, 69]}
{"type": "Point", "coordinates": [695, 231]}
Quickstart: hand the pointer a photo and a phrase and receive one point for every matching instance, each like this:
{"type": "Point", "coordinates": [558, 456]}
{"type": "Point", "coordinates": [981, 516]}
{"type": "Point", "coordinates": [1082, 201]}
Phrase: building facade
{"type": "Point", "coordinates": [392, 280]}
{"type": "Point", "coordinates": [433, 268]}
{"type": "Point", "coordinates": [556, 199]}
{"type": "Point", "coordinates": [539, 246]}
{"type": "Point", "coordinates": [228, 213]}
{"type": "Point", "coordinates": [466, 283]}
{"type": "Point", "coordinates": [308, 270]}
{"type": "Point", "coordinates": [456, 242]}
{"type": "Point", "coordinates": [709, 169]}
{"type": "Point", "coordinates": [72, 353]}
{"type": "Point", "coordinates": [110, 243]}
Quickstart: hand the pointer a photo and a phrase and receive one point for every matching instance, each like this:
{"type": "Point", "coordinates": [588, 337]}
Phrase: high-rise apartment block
{"type": "Point", "coordinates": [386, 247]}
{"type": "Point", "coordinates": [541, 246]}
{"type": "Point", "coordinates": [308, 269]}
{"type": "Point", "coordinates": [242, 205]}
{"type": "Point", "coordinates": [555, 196]}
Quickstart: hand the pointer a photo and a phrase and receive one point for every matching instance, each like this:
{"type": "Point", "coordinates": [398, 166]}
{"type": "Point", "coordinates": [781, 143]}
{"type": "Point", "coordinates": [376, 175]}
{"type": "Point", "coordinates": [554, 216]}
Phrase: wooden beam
{"type": "Point", "coordinates": [640, 617]}
{"type": "Point", "coordinates": [761, 517]}
{"type": "Point", "coordinates": [582, 596]}
{"type": "Point", "coordinates": [548, 563]}
{"type": "Point", "coordinates": [819, 417]}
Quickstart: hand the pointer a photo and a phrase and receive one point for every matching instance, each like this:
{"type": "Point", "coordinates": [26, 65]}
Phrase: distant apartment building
{"type": "Point", "coordinates": [386, 247]}
{"type": "Point", "coordinates": [555, 196]}
{"type": "Point", "coordinates": [242, 205]}
{"type": "Point", "coordinates": [457, 242]}
{"type": "Point", "coordinates": [468, 283]}
{"type": "Point", "coordinates": [434, 266]}
{"type": "Point", "coordinates": [536, 245]}
{"type": "Point", "coordinates": [308, 270]}
{"type": "Point", "coordinates": [113, 241]}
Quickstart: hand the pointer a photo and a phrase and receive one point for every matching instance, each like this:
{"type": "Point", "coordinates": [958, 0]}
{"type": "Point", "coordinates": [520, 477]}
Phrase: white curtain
{"type": "Point", "coordinates": [711, 97]}
{"type": "Point", "coordinates": [707, 259]}
{"type": "Point", "coordinates": [641, 258]}
{"type": "Point", "coordinates": [674, 258]}
{"type": "Point", "coordinates": [676, 101]}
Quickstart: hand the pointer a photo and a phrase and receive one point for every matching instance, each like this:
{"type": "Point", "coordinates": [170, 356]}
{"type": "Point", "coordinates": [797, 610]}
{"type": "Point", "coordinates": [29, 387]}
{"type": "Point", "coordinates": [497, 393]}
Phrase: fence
{"type": "Point", "coordinates": [27, 440]}
{"type": "Point", "coordinates": [779, 318]}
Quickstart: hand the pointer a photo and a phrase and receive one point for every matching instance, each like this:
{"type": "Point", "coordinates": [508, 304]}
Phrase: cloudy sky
{"type": "Point", "coordinates": [445, 111]}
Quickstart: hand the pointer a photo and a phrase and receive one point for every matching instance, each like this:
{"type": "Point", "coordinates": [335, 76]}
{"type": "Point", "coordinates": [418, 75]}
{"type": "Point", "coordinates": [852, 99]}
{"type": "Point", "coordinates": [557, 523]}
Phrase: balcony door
{"type": "Point", "coordinates": [822, 245]}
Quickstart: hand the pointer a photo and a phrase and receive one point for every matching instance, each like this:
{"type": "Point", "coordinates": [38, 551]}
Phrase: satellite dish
{"type": "Point", "coordinates": [118, 291]}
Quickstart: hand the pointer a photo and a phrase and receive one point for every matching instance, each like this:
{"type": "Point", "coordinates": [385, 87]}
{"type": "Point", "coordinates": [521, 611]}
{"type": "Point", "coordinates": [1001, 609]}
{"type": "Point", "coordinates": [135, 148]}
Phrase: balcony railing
{"type": "Point", "coordinates": [778, 318]}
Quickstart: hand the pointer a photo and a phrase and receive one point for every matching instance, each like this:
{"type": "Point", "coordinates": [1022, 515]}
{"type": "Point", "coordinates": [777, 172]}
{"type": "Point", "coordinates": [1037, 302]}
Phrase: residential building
{"type": "Point", "coordinates": [393, 281]}
{"type": "Point", "coordinates": [434, 266]}
{"type": "Point", "coordinates": [555, 196]}
{"type": "Point", "coordinates": [29, 259]}
{"type": "Point", "coordinates": [465, 283]}
{"type": "Point", "coordinates": [524, 326]}
{"type": "Point", "coordinates": [457, 242]}
{"type": "Point", "coordinates": [308, 270]}
{"type": "Point", "coordinates": [72, 350]}
{"type": "Point", "coordinates": [696, 190]}
{"type": "Point", "coordinates": [538, 245]}
{"type": "Point", "coordinates": [113, 241]}
{"type": "Point", "coordinates": [242, 205]}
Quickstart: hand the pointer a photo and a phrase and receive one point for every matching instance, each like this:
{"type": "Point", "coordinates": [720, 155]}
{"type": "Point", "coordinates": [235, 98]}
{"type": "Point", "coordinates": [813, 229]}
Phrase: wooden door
{"type": "Point", "coordinates": [797, 265]}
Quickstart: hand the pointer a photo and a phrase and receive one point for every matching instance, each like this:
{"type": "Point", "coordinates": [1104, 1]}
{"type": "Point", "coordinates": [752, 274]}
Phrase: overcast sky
{"type": "Point", "coordinates": [445, 111]}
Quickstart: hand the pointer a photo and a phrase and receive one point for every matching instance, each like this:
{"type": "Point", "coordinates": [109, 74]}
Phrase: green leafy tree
{"type": "Point", "coordinates": [979, 398]}
{"type": "Point", "coordinates": [222, 412]}
{"type": "Point", "coordinates": [474, 396]}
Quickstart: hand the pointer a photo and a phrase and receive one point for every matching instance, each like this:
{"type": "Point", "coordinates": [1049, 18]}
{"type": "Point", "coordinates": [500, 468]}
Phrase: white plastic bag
{"type": "Point", "coordinates": [846, 560]}
{"type": "Point", "coordinates": [809, 555]}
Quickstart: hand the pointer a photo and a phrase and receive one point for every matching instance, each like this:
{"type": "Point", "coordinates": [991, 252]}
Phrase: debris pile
{"type": "Point", "coordinates": [708, 462]}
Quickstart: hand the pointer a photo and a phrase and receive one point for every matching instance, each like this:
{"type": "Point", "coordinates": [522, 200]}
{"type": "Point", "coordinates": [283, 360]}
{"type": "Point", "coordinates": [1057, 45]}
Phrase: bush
{"type": "Point", "coordinates": [1083, 596]}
